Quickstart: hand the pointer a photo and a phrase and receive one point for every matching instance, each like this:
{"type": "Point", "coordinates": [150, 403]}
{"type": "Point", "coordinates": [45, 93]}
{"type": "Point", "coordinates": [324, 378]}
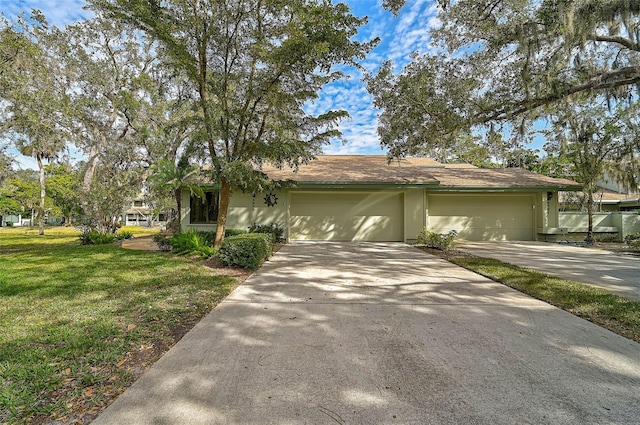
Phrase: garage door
{"type": "Point", "coordinates": [346, 216]}
{"type": "Point", "coordinates": [482, 217]}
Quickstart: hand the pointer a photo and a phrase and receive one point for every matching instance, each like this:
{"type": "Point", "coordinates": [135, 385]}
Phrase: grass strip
{"type": "Point", "coordinates": [79, 323]}
{"type": "Point", "coordinates": [612, 312]}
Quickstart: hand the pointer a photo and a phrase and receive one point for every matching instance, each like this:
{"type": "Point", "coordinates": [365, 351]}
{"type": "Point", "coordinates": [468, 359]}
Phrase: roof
{"type": "Point", "coordinates": [361, 169]}
{"type": "Point", "coordinates": [375, 169]}
{"type": "Point", "coordinates": [607, 196]}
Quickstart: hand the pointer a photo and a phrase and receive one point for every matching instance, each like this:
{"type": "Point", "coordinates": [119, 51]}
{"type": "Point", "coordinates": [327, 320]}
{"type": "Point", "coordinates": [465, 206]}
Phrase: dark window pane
{"type": "Point", "coordinates": [204, 210]}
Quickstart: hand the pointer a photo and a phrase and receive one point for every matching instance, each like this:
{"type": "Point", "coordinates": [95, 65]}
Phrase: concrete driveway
{"type": "Point", "coordinates": [616, 273]}
{"type": "Point", "coordinates": [331, 333]}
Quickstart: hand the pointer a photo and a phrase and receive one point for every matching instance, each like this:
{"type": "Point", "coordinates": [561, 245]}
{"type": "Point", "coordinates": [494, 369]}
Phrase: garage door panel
{"type": "Point", "coordinates": [482, 217]}
{"type": "Point", "coordinates": [346, 216]}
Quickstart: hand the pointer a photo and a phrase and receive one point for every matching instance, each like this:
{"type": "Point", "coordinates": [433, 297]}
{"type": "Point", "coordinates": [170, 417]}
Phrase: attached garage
{"type": "Point", "coordinates": [483, 216]}
{"type": "Point", "coordinates": [369, 198]}
{"type": "Point", "coordinates": [346, 216]}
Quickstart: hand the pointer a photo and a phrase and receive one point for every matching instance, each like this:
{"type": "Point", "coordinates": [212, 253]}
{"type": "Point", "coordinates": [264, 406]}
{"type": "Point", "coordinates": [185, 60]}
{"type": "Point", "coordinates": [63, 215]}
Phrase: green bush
{"type": "Point", "coordinates": [9, 223]}
{"type": "Point", "coordinates": [193, 242]}
{"type": "Point", "coordinates": [606, 237]}
{"type": "Point", "coordinates": [635, 244]}
{"type": "Point", "coordinates": [123, 234]}
{"type": "Point", "coordinates": [441, 241]}
{"type": "Point", "coordinates": [247, 251]}
{"type": "Point", "coordinates": [163, 241]}
{"type": "Point", "coordinates": [273, 229]}
{"type": "Point", "coordinates": [94, 237]}
{"type": "Point", "coordinates": [234, 232]}
{"type": "Point", "coordinates": [629, 239]}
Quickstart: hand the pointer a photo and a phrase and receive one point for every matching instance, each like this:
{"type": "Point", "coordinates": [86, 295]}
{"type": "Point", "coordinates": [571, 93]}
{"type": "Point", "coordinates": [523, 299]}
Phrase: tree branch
{"type": "Point", "coordinates": [624, 42]}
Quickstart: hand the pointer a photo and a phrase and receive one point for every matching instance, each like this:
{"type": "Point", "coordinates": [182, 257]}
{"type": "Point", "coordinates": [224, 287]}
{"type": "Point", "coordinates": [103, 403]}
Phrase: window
{"type": "Point", "coordinates": [137, 203]}
{"type": "Point", "coordinates": [204, 210]}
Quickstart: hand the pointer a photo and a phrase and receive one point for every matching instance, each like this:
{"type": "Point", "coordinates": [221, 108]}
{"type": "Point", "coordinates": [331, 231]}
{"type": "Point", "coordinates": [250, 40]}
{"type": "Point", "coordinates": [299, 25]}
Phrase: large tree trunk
{"type": "Point", "coordinates": [42, 196]}
{"type": "Point", "coordinates": [589, 238]}
{"type": "Point", "coordinates": [223, 209]}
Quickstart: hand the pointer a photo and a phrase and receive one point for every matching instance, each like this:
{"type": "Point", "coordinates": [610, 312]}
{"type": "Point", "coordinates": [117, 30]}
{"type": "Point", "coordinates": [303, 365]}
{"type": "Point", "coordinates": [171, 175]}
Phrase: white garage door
{"type": "Point", "coordinates": [483, 216]}
{"type": "Point", "coordinates": [346, 216]}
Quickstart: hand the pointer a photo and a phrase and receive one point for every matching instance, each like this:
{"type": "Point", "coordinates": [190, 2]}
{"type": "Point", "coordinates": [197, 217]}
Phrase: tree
{"type": "Point", "coordinates": [5, 164]}
{"type": "Point", "coordinates": [107, 65]}
{"type": "Point", "coordinates": [253, 65]}
{"type": "Point", "coordinates": [63, 184]}
{"type": "Point", "coordinates": [35, 101]}
{"type": "Point", "coordinates": [595, 139]}
{"type": "Point", "coordinates": [169, 178]}
{"type": "Point", "coordinates": [24, 188]}
{"type": "Point", "coordinates": [509, 63]}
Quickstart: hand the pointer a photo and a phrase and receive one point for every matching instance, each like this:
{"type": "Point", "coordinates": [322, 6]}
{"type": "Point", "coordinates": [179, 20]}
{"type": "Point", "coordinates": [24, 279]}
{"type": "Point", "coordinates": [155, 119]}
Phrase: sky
{"type": "Point", "coordinates": [400, 37]}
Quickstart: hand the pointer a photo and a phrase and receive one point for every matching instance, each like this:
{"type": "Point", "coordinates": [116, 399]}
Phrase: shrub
{"type": "Point", "coordinates": [234, 232]}
{"type": "Point", "coordinates": [441, 241]}
{"type": "Point", "coordinates": [629, 239]}
{"type": "Point", "coordinates": [247, 251]}
{"type": "Point", "coordinates": [123, 234]}
{"type": "Point", "coordinates": [163, 241]}
{"type": "Point", "coordinates": [273, 229]}
{"type": "Point", "coordinates": [635, 244]}
{"type": "Point", "coordinates": [9, 223]}
{"type": "Point", "coordinates": [94, 237]}
{"type": "Point", "coordinates": [193, 242]}
{"type": "Point", "coordinates": [606, 237]}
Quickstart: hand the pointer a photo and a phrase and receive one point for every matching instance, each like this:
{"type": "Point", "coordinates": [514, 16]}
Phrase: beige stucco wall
{"type": "Point", "coordinates": [414, 213]}
{"type": "Point", "coordinates": [483, 215]}
{"type": "Point", "coordinates": [244, 210]}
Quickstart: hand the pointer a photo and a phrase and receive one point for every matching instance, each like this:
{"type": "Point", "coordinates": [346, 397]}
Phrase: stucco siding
{"type": "Point", "coordinates": [244, 210]}
{"type": "Point", "coordinates": [483, 216]}
{"type": "Point", "coordinates": [414, 213]}
{"type": "Point", "coordinates": [346, 216]}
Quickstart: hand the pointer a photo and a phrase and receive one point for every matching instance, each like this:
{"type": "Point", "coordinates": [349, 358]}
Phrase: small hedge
{"type": "Point", "coordinates": [193, 242]}
{"type": "Point", "coordinates": [95, 237]}
{"type": "Point", "coordinates": [435, 240]}
{"type": "Point", "coordinates": [274, 229]}
{"type": "Point", "coordinates": [247, 250]}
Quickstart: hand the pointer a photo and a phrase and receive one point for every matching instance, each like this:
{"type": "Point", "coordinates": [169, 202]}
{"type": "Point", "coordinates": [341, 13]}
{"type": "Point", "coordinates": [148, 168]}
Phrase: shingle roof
{"type": "Point", "coordinates": [606, 196]}
{"type": "Point", "coordinates": [374, 169]}
{"type": "Point", "coordinates": [356, 169]}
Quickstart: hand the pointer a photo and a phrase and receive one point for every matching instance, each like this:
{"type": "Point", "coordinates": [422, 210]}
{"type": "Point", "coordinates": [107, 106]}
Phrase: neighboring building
{"type": "Point", "coordinates": [140, 214]}
{"type": "Point", "coordinates": [604, 200]}
{"type": "Point", "coordinates": [364, 198]}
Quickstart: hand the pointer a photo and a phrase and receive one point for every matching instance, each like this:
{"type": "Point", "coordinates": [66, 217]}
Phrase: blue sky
{"type": "Point", "coordinates": [401, 36]}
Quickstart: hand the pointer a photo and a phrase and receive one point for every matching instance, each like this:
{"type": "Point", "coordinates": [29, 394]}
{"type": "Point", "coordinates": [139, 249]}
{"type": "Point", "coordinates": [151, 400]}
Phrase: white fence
{"type": "Point", "coordinates": [622, 223]}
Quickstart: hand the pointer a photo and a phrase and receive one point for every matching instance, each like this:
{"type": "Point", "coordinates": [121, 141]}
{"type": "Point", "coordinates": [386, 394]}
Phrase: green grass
{"type": "Point", "coordinates": [618, 314]}
{"type": "Point", "coordinates": [77, 321]}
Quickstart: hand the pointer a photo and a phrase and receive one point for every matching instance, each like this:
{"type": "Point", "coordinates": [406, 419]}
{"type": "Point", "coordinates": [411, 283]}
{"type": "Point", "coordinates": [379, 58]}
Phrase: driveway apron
{"type": "Point", "coordinates": [382, 333]}
{"type": "Point", "coordinates": [616, 273]}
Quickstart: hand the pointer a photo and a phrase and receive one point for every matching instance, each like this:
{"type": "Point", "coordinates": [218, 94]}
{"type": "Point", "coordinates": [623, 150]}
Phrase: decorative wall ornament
{"type": "Point", "coordinates": [270, 199]}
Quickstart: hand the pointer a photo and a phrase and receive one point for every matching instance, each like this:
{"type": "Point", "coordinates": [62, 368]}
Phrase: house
{"type": "Point", "coordinates": [140, 214]}
{"type": "Point", "coordinates": [604, 200]}
{"type": "Point", "coordinates": [365, 198]}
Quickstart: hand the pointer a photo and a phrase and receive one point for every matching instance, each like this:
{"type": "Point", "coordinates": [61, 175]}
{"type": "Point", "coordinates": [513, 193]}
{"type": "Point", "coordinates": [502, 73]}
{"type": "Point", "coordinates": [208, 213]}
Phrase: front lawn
{"type": "Point", "coordinates": [618, 314]}
{"type": "Point", "coordinates": [79, 323]}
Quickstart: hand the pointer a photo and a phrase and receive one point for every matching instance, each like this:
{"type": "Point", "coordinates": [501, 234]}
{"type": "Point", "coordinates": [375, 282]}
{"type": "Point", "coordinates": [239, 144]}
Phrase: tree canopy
{"type": "Point", "coordinates": [509, 62]}
{"type": "Point", "coordinates": [252, 65]}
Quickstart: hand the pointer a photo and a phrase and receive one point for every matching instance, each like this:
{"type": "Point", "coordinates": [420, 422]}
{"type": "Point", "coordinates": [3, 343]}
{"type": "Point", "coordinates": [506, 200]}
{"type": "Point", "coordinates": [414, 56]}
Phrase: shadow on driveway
{"type": "Point", "coordinates": [618, 274]}
{"type": "Point", "coordinates": [368, 333]}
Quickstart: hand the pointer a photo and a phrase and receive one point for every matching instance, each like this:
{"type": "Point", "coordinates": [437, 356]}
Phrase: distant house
{"type": "Point", "coordinates": [364, 198]}
{"type": "Point", "coordinates": [140, 214]}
